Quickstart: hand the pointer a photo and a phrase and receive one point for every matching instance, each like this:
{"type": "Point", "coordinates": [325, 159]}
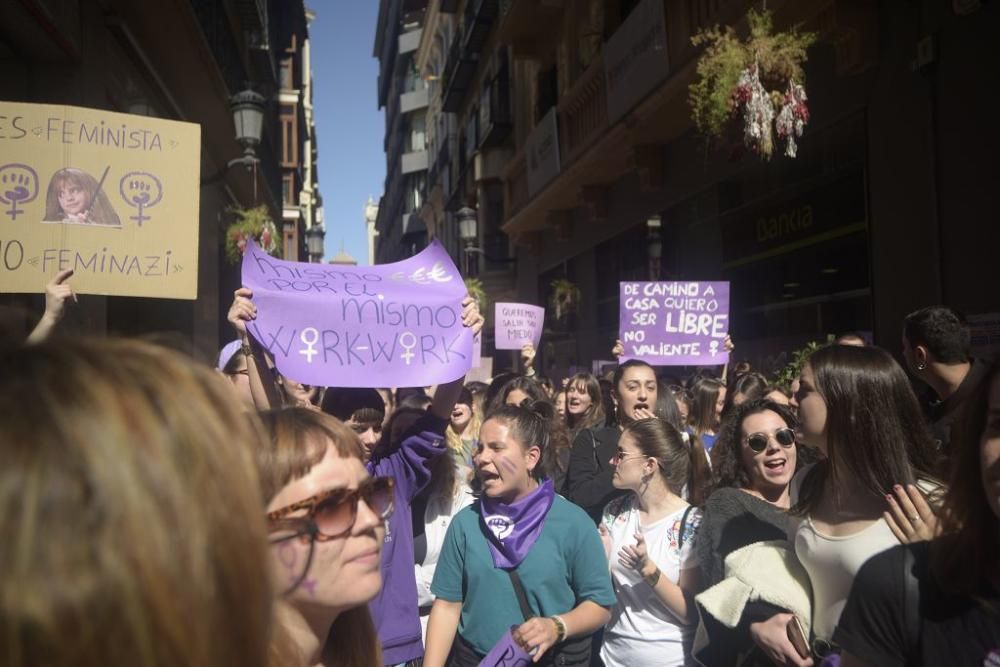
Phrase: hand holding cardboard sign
{"type": "Point", "coordinates": [471, 317]}
{"type": "Point", "coordinates": [57, 293]}
{"type": "Point", "coordinates": [242, 311]}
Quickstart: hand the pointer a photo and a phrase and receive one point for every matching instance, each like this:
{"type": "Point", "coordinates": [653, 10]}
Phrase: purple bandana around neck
{"type": "Point", "coordinates": [512, 529]}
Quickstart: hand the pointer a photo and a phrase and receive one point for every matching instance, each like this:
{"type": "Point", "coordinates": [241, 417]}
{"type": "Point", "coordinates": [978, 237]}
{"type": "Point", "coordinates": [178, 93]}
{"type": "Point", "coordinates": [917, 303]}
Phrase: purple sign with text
{"type": "Point", "coordinates": [674, 323]}
{"type": "Point", "coordinates": [506, 653]}
{"type": "Point", "coordinates": [391, 325]}
{"type": "Point", "coordinates": [518, 324]}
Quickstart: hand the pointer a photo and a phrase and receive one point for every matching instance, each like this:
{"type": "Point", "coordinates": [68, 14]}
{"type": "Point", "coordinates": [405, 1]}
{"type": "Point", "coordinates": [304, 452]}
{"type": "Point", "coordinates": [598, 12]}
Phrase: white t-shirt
{"type": "Point", "coordinates": [642, 631]}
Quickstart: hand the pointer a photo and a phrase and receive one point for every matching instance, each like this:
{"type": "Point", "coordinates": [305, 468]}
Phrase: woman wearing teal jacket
{"type": "Point", "coordinates": [518, 526]}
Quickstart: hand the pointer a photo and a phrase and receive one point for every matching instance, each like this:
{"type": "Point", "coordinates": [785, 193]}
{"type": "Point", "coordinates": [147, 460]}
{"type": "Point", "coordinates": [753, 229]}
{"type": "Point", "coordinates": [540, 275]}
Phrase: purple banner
{"type": "Point", "coordinates": [391, 325]}
{"type": "Point", "coordinates": [674, 323]}
{"type": "Point", "coordinates": [517, 324]}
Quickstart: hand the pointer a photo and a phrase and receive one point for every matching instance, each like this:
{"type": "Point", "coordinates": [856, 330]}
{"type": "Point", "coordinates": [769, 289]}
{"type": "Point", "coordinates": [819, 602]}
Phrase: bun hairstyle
{"type": "Point", "coordinates": [678, 462]}
{"type": "Point", "coordinates": [529, 425]}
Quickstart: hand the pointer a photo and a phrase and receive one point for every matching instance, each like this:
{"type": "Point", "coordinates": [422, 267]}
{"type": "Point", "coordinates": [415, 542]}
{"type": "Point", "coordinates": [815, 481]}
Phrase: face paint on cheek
{"type": "Point", "coordinates": [309, 586]}
{"type": "Point", "coordinates": [507, 465]}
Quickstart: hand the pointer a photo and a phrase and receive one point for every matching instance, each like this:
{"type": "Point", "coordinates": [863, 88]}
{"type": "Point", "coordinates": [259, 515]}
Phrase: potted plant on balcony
{"type": "Point", "coordinates": [759, 81]}
{"type": "Point", "coordinates": [251, 223]}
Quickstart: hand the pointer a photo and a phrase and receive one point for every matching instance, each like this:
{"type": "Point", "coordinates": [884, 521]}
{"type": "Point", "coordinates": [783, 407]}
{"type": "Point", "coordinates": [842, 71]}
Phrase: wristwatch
{"type": "Point", "coordinates": [560, 628]}
{"type": "Point", "coordinates": [651, 579]}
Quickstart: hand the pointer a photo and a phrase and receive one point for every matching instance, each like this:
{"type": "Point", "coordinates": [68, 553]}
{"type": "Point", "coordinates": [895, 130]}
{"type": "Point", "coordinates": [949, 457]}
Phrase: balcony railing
{"type": "Point", "coordinates": [460, 68]}
{"type": "Point", "coordinates": [479, 18]}
{"type": "Point", "coordinates": [583, 112]}
{"type": "Point", "coordinates": [495, 116]}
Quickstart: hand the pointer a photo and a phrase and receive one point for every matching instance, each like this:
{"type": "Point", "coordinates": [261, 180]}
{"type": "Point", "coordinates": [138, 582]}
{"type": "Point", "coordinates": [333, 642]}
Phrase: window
{"type": "Point", "coordinates": [418, 134]}
{"type": "Point", "coordinates": [287, 74]}
{"type": "Point", "coordinates": [289, 138]}
{"type": "Point", "coordinates": [288, 189]}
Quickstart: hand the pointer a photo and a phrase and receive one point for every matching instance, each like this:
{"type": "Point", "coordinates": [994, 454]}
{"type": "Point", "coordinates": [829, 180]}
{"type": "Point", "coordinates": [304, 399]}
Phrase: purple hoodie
{"type": "Point", "coordinates": [394, 610]}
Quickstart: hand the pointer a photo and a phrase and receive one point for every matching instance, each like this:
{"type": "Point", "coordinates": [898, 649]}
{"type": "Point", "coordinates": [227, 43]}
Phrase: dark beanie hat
{"type": "Point", "coordinates": [343, 403]}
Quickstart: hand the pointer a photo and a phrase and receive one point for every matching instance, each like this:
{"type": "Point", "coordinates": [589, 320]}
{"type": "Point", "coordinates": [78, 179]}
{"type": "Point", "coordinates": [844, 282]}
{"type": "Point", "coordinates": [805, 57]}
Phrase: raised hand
{"type": "Point", "coordinates": [528, 355]}
{"type": "Point", "coordinates": [471, 317]}
{"type": "Point", "coordinates": [618, 350]}
{"type": "Point", "coordinates": [242, 311]}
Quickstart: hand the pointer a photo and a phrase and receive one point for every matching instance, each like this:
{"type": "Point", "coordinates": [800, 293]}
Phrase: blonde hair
{"type": "Point", "coordinates": [299, 439]}
{"type": "Point", "coordinates": [132, 522]}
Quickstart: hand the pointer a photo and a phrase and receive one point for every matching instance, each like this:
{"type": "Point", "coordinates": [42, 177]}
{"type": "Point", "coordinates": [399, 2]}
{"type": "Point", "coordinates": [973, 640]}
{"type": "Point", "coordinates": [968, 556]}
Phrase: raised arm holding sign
{"type": "Point", "coordinates": [675, 323]}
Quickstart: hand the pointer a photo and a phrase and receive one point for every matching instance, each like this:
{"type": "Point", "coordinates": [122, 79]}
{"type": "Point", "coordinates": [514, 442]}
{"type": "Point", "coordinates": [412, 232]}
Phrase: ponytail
{"type": "Point", "coordinates": [681, 464]}
{"type": "Point", "coordinates": [699, 471]}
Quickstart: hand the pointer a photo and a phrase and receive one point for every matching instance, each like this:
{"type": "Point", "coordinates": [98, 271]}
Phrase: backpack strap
{"type": "Point", "coordinates": [684, 521]}
{"type": "Point", "coordinates": [522, 597]}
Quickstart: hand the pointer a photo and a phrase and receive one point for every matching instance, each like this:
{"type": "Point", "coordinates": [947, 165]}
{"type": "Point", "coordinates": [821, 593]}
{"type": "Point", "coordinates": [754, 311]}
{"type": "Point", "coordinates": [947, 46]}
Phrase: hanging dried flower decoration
{"type": "Point", "coordinates": [251, 223]}
{"type": "Point", "coordinates": [741, 80]}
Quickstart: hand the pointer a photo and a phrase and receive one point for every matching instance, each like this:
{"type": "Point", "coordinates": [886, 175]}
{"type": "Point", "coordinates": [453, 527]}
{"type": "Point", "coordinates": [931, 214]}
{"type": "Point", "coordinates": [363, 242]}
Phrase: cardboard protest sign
{"type": "Point", "coordinates": [112, 196]}
{"type": "Point", "coordinates": [674, 323]}
{"type": "Point", "coordinates": [517, 324]}
{"type": "Point", "coordinates": [391, 325]}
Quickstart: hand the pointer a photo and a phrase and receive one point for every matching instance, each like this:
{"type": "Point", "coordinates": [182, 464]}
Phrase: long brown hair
{"type": "Point", "coordinates": [593, 416]}
{"type": "Point", "coordinates": [875, 432]}
{"type": "Point", "coordinates": [965, 556]}
{"type": "Point", "coordinates": [704, 395]}
{"type": "Point", "coordinates": [132, 522]}
{"type": "Point", "coordinates": [299, 439]}
{"type": "Point", "coordinates": [678, 461]}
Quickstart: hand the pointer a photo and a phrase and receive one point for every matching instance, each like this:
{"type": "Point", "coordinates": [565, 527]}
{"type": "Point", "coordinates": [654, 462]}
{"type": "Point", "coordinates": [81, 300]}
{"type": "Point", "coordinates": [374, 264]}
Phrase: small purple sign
{"type": "Point", "coordinates": [391, 325]}
{"type": "Point", "coordinates": [674, 323]}
{"type": "Point", "coordinates": [518, 324]}
{"type": "Point", "coordinates": [506, 653]}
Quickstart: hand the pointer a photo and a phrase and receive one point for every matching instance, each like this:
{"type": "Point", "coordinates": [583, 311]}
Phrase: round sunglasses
{"type": "Point", "coordinates": [758, 441]}
{"type": "Point", "coordinates": [331, 514]}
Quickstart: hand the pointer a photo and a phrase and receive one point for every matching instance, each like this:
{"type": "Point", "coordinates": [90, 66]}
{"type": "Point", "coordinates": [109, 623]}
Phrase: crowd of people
{"type": "Point", "coordinates": [160, 512]}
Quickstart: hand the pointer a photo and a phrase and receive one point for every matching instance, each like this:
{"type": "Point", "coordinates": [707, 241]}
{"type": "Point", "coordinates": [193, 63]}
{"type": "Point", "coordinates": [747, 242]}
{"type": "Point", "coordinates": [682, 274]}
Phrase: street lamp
{"type": "Point", "coordinates": [314, 242]}
{"type": "Point", "coordinates": [247, 107]}
{"type": "Point", "coordinates": [468, 233]}
{"type": "Point", "coordinates": [248, 118]}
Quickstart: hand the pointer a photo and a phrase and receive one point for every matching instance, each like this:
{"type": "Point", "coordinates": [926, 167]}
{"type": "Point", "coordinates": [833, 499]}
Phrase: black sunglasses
{"type": "Point", "coordinates": [758, 441]}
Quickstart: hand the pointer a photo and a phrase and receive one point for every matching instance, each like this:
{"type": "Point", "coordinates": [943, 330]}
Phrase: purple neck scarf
{"type": "Point", "coordinates": [511, 530]}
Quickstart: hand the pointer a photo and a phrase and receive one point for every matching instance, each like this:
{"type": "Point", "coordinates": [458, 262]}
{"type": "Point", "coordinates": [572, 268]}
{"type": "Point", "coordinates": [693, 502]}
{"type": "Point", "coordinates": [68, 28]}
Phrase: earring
{"type": "Point", "coordinates": [921, 367]}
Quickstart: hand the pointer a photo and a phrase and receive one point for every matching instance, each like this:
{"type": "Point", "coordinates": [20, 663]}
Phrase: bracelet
{"type": "Point", "coordinates": [651, 579]}
{"type": "Point", "coordinates": [560, 628]}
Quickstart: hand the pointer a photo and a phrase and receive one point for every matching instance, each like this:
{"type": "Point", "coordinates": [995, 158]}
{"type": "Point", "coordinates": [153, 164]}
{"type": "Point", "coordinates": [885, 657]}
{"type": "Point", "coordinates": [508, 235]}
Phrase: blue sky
{"type": "Point", "coordinates": [349, 124]}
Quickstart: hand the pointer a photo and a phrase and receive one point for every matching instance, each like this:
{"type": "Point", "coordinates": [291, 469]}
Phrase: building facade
{"type": "Point", "coordinates": [403, 94]}
{"type": "Point", "coordinates": [566, 126]}
{"type": "Point", "coordinates": [175, 59]}
{"type": "Point", "coordinates": [301, 202]}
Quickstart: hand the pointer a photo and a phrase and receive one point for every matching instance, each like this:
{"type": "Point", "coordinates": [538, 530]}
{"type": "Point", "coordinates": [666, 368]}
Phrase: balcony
{"type": "Point", "coordinates": [478, 20]}
{"type": "Point", "coordinates": [495, 117]}
{"type": "Point", "coordinates": [459, 71]}
{"type": "Point", "coordinates": [411, 162]}
{"type": "Point", "coordinates": [413, 100]}
{"type": "Point", "coordinates": [409, 42]}
{"type": "Point", "coordinates": [583, 112]}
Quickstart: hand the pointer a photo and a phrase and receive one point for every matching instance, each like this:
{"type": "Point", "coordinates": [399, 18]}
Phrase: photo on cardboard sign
{"type": "Point", "coordinates": [75, 197]}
